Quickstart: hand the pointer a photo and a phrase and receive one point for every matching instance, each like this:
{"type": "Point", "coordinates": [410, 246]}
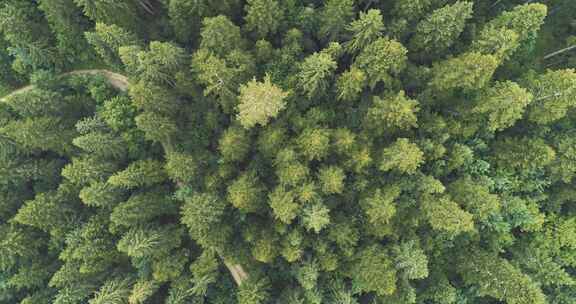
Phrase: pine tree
{"type": "Point", "coordinates": [499, 279]}
{"type": "Point", "coordinates": [203, 214]}
{"type": "Point", "coordinates": [523, 153]}
{"type": "Point", "coordinates": [441, 28]}
{"type": "Point", "coordinates": [138, 174]}
{"type": "Point", "coordinates": [246, 193]}
{"type": "Point", "coordinates": [234, 144]}
{"type": "Point", "coordinates": [263, 17]}
{"type": "Point", "coordinates": [254, 291]}
{"type": "Point", "coordinates": [316, 217]}
{"type": "Point", "coordinates": [504, 103]}
{"type": "Point", "coordinates": [380, 208]}
{"type": "Point", "coordinates": [283, 204]}
{"type": "Point", "coordinates": [315, 74]}
{"type": "Point", "coordinates": [107, 40]}
{"type": "Point", "coordinates": [553, 93]}
{"type": "Point", "coordinates": [121, 13]}
{"type": "Point", "coordinates": [402, 156]}
{"type": "Point", "coordinates": [42, 133]}
{"type": "Point", "coordinates": [381, 60]}
{"type": "Point", "coordinates": [350, 84]}
{"type": "Point", "coordinates": [259, 102]}
{"type": "Point", "coordinates": [365, 30]}
{"type": "Point", "coordinates": [445, 215]}
{"type": "Point", "coordinates": [373, 271]}
{"type": "Point", "coordinates": [314, 143]}
{"type": "Point", "coordinates": [525, 20]}
{"type": "Point", "coordinates": [391, 113]}
{"type": "Point", "coordinates": [220, 36]}
{"type": "Point", "coordinates": [467, 71]}
{"type": "Point", "coordinates": [411, 261]}
{"type": "Point", "coordinates": [66, 22]}
{"type": "Point", "coordinates": [331, 179]}
{"type": "Point", "coordinates": [333, 19]}
{"type": "Point", "coordinates": [88, 169]}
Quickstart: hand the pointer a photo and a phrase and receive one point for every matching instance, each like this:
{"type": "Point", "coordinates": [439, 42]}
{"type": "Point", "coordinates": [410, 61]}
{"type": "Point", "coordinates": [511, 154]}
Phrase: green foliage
{"type": "Point", "coordinates": [402, 156]}
{"type": "Point", "coordinates": [365, 30]}
{"type": "Point", "coordinates": [254, 291]}
{"type": "Point", "coordinates": [331, 179]}
{"type": "Point", "coordinates": [138, 174]}
{"type": "Point", "coordinates": [441, 28]}
{"type": "Point", "coordinates": [41, 134]}
{"type": "Point", "coordinates": [246, 192]}
{"type": "Point", "coordinates": [334, 17]}
{"type": "Point", "coordinates": [467, 71]}
{"type": "Point", "coordinates": [203, 215]}
{"type": "Point", "coordinates": [380, 208]}
{"type": "Point", "coordinates": [220, 36]}
{"type": "Point", "coordinates": [157, 65]}
{"type": "Point", "coordinates": [315, 74]}
{"type": "Point", "coordinates": [107, 40]}
{"type": "Point", "coordinates": [314, 143]}
{"type": "Point", "coordinates": [287, 151]}
{"type": "Point", "coordinates": [380, 60]}
{"type": "Point", "coordinates": [350, 84]}
{"type": "Point", "coordinates": [234, 144]}
{"type": "Point", "coordinates": [394, 112]}
{"type": "Point", "coordinates": [475, 197]}
{"type": "Point", "coordinates": [411, 261]}
{"type": "Point", "coordinates": [524, 20]}
{"type": "Point", "coordinates": [504, 104]}
{"type": "Point", "coordinates": [181, 167]}
{"type": "Point", "coordinates": [259, 102]}
{"type": "Point", "coordinates": [554, 94]}
{"type": "Point", "coordinates": [445, 215]}
{"type": "Point", "coordinates": [283, 205]}
{"type": "Point", "coordinates": [523, 153]}
{"type": "Point", "coordinates": [373, 271]}
{"type": "Point", "coordinates": [316, 217]}
{"type": "Point", "coordinates": [499, 279]}
{"type": "Point", "coordinates": [263, 16]}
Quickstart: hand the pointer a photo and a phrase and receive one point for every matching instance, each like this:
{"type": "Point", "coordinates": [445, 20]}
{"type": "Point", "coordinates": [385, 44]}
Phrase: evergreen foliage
{"type": "Point", "coordinates": [287, 151]}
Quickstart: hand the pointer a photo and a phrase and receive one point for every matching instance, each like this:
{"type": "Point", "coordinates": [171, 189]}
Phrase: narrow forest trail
{"type": "Point", "coordinates": [121, 83]}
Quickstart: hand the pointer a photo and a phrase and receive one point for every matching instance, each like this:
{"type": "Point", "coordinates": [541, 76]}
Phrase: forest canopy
{"type": "Point", "coordinates": [287, 151]}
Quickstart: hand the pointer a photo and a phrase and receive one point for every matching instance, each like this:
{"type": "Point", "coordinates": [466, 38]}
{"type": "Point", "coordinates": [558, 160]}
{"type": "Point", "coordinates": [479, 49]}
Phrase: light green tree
{"type": "Point", "coordinates": [468, 71]}
{"type": "Point", "coordinates": [315, 74]}
{"type": "Point", "coordinates": [259, 102]}
{"type": "Point", "coordinates": [441, 28]}
{"type": "Point", "coordinates": [395, 112]}
{"type": "Point", "coordinates": [504, 103]}
{"type": "Point", "coordinates": [365, 30]}
{"type": "Point", "coordinates": [380, 60]}
{"type": "Point", "coordinates": [263, 17]}
{"type": "Point", "coordinates": [402, 156]}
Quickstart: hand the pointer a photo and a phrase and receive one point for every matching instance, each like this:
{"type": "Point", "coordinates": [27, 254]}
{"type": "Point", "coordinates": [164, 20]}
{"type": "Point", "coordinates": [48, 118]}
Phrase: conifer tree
{"type": "Point", "coordinates": [315, 74]}
{"type": "Point", "coordinates": [402, 156]}
{"type": "Point", "coordinates": [365, 30]}
{"type": "Point", "coordinates": [395, 112]}
{"type": "Point", "coordinates": [553, 95]}
{"type": "Point", "coordinates": [441, 28]}
{"type": "Point", "coordinates": [380, 60]}
{"type": "Point", "coordinates": [467, 71]}
{"type": "Point", "coordinates": [263, 16]}
{"type": "Point", "coordinates": [140, 173]}
{"type": "Point", "coordinates": [220, 35]}
{"type": "Point", "coordinates": [334, 17]}
{"type": "Point", "coordinates": [107, 40]}
{"type": "Point", "coordinates": [259, 102]}
{"type": "Point", "coordinates": [504, 104]}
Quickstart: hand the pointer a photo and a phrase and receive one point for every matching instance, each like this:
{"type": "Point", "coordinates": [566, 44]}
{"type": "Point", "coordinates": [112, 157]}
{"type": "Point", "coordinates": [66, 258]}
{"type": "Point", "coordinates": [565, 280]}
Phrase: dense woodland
{"type": "Point", "coordinates": [287, 151]}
